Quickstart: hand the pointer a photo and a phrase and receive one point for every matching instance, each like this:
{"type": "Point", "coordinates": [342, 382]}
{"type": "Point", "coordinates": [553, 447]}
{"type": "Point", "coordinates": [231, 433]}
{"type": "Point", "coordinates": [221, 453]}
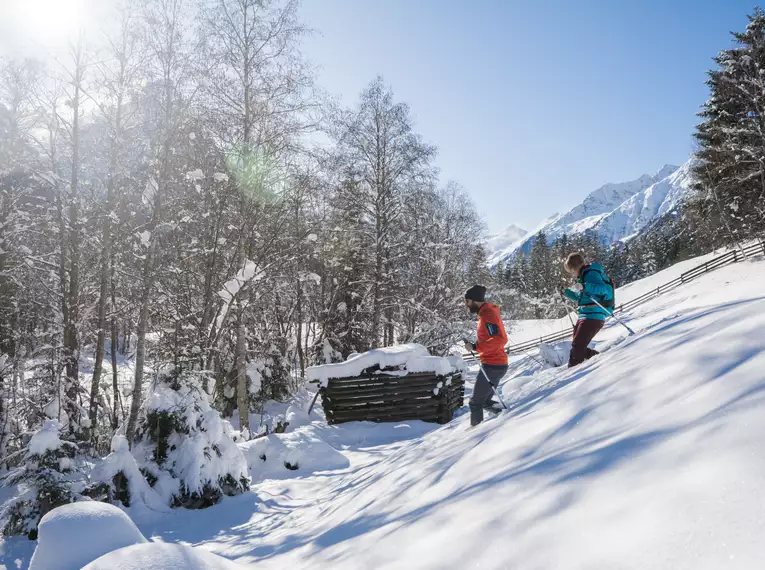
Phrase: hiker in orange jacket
{"type": "Point", "coordinates": [490, 347]}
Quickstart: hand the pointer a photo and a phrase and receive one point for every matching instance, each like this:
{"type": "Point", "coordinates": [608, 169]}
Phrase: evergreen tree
{"type": "Point", "coordinates": [541, 276]}
{"type": "Point", "coordinates": [48, 479]}
{"type": "Point", "coordinates": [731, 170]}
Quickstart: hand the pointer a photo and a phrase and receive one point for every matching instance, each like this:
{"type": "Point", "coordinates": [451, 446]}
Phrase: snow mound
{"type": "Point", "coordinates": [457, 363]}
{"type": "Point", "coordinates": [161, 556]}
{"type": "Point", "coordinates": [73, 535]}
{"type": "Point", "coordinates": [300, 452]}
{"type": "Point", "coordinates": [555, 354]}
{"type": "Point", "coordinates": [407, 357]}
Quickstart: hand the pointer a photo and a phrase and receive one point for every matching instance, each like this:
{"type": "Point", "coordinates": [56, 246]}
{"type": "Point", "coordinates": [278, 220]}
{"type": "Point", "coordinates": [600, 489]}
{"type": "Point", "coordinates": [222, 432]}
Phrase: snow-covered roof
{"type": "Point", "coordinates": [402, 358]}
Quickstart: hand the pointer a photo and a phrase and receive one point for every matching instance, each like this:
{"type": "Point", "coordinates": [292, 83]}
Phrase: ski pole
{"type": "Point", "coordinates": [618, 320]}
{"type": "Point", "coordinates": [480, 365]}
{"type": "Point", "coordinates": [527, 354]}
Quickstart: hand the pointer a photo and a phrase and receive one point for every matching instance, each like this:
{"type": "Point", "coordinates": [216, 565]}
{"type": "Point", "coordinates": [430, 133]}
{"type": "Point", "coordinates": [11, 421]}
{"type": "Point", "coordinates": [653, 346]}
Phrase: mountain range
{"type": "Point", "coordinates": [616, 211]}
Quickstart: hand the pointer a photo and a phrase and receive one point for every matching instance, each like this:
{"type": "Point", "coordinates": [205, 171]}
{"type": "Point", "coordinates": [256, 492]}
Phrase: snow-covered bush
{"type": "Point", "coordinates": [46, 479]}
{"type": "Point", "coordinates": [182, 446]}
{"type": "Point", "coordinates": [73, 535]}
{"type": "Point", "coordinates": [161, 556]}
{"type": "Point", "coordinates": [122, 479]}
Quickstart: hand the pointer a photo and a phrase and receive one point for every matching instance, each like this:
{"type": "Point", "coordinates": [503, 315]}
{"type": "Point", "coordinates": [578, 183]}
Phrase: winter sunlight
{"type": "Point", "coordinates": [47, 22]}
{"type": "Point", "coordinates": [344, 284]}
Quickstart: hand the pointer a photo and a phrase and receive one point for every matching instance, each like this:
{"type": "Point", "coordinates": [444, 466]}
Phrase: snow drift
{"type": "Point", "coordinates": [73, 535]}
{"type": "Point", "coordinates": [161, 557]}
{"type": "Point", "coordinates": [298, 452]}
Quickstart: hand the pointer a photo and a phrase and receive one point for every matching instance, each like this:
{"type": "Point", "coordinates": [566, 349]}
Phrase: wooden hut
{"type": "Point", "coordinates": [392, 384]}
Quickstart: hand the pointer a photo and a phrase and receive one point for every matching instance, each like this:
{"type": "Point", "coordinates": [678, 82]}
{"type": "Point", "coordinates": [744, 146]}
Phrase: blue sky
{"type": "Point", "coordinates": [532, 104]}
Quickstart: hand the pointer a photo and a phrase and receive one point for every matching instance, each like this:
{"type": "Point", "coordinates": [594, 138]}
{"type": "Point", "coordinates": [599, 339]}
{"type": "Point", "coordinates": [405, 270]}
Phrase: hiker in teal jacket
{"type": "Point", "coordinates": [592, 284]}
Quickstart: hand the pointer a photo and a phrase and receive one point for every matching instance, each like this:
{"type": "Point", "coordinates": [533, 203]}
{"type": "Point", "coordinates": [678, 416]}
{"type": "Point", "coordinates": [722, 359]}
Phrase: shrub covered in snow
{"type": "Point", "coordinates": [122, 479]}
{"type": "Point", "coordinates": [183, 447]}
{"type": "Point", "coordinates": [73, 535]}
{"type": "Point", "coordinates": [46, 479]}
{"type": "Point", "coordinates": [161, 556]}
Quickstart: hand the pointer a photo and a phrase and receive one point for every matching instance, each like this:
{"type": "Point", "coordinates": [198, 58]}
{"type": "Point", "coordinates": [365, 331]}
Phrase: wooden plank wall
{"type": "Point", "coordinates": [384, 398]}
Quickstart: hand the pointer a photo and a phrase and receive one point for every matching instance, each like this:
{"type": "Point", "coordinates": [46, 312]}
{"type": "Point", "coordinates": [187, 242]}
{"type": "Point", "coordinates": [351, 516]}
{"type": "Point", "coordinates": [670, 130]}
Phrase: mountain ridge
{"type": "Point", "coordinates": [616, 211]}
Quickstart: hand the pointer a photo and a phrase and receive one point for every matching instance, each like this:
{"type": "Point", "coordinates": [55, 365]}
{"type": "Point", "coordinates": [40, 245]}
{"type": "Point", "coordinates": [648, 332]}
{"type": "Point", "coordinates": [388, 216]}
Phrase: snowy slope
{"type": "Point", "coordinates": [615, 211]}
{"type": "Point", "coordinates": [649, 456]}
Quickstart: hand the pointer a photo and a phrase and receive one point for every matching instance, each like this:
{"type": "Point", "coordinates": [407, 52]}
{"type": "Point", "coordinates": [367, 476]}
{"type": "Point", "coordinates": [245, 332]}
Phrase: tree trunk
{"type": "Point", "coordinates": [71, 333]}
{"type": "Point", "coordinates": [106, 254]}
{"type": "Point", "coordinates": [377, 287]}
{"type": "Point", "coordinates": [299, 319]}
{"type": "Point", "coordinates": [240, 359]}
{"type": "Point", "coordinates": [115, 342]}
{"type": "Point", "coordinates": [143, 325]}
{"type": "Point", "coordinates": [115, 376]}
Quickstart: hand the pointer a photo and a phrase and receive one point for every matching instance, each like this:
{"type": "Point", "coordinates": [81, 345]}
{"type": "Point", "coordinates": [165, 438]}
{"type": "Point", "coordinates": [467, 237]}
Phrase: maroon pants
{"type": "Point", "coordinates": [584, 331]}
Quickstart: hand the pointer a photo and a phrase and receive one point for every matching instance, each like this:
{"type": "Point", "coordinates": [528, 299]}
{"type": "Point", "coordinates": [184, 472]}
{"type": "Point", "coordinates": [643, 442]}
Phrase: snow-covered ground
{"type": "Point", "coordinates": [648, 456]}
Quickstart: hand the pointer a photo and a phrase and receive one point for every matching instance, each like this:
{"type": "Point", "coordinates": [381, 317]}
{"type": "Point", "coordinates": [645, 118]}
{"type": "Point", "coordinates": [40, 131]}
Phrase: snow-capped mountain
{"type": "Point", "coordinates": [506, 238]}
{"type": "Point", "coordinates": [616, 211]}
{"type": "Point", "coordinates": [641, 209]}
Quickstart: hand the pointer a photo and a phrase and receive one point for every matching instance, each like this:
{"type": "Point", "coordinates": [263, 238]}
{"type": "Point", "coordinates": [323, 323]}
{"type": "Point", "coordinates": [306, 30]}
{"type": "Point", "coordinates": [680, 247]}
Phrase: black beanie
{"type": "Point", "coordinates": [476, 293]}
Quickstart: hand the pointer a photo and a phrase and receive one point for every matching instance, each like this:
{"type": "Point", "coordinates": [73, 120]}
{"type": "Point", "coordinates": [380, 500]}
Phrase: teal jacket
{"type": "Point", "coordinates": [595, 285]}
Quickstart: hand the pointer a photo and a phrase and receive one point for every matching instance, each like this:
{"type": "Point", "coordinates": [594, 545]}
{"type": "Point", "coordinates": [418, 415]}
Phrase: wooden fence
{"type": "Point", "coordinates": [733, 256]}
{"type": "Point", "coordinates": [388, 398]}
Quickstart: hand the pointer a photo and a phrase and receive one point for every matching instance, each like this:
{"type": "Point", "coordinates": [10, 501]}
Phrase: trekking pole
{"type": "Point", "coordinates": [618, 320]}
{"type": "Point", "coordinates": [480, 365]}
{"type": "Point", "coordinates": [527, 354]}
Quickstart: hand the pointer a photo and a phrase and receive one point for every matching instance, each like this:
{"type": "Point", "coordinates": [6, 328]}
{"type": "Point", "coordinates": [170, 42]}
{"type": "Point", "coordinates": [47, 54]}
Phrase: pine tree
{"type": "Point", "coordinates": [731, 172]}
{"type": "Point", "coordinates": [49, 480]}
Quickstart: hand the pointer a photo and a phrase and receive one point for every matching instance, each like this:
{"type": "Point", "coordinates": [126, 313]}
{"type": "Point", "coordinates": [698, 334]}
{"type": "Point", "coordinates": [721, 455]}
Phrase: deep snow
{"type": "Point", "coordinates": [73, 535]}
{"type": "Point", "coordinates": [648, 456]}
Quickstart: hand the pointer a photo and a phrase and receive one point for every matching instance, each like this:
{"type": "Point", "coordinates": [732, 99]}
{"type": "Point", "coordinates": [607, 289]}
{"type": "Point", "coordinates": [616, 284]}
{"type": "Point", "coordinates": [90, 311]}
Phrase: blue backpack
{"type": "Point", "coordinates": [607, 303]}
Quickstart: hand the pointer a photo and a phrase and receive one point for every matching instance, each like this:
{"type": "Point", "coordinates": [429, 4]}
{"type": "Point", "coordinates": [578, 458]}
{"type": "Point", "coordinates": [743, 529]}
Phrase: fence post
{"type": "Point", "coordinates": [762, 245]}
{"type": "Point", "coordinates": [735, 255]}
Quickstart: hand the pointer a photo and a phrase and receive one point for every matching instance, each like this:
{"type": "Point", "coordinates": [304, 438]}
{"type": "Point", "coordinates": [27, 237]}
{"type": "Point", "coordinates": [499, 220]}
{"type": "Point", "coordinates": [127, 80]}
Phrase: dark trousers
{"type": "Point", "coordinates": [584, 331]}
{"type": "Point", "coordinates": [482, 391]}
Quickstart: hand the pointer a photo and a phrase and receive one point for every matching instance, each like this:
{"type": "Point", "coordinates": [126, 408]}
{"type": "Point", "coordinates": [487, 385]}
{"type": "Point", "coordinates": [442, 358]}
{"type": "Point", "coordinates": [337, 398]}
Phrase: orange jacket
{"type": "Point", "coordinates": [492, 337]}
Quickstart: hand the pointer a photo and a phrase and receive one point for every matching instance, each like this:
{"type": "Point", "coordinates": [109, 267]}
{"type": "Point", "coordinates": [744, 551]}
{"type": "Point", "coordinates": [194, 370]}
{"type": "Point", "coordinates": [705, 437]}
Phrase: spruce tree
{"type": "Point", "coordinates": [731, 172]}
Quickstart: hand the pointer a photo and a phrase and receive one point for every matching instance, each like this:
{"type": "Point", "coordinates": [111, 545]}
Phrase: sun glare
{"type": "Point", "coordinates": [49, 21]}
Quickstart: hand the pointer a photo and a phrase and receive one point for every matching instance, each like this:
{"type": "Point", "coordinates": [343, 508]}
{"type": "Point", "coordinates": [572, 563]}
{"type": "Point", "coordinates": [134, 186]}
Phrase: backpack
{"type": "Point", "coordinates": [611, 302]}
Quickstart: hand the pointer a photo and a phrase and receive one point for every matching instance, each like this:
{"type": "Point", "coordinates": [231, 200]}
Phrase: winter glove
{"type": "Point", "coordinates": [571, 294]}
{"type": "Point", "coordinates": [577, 287]}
